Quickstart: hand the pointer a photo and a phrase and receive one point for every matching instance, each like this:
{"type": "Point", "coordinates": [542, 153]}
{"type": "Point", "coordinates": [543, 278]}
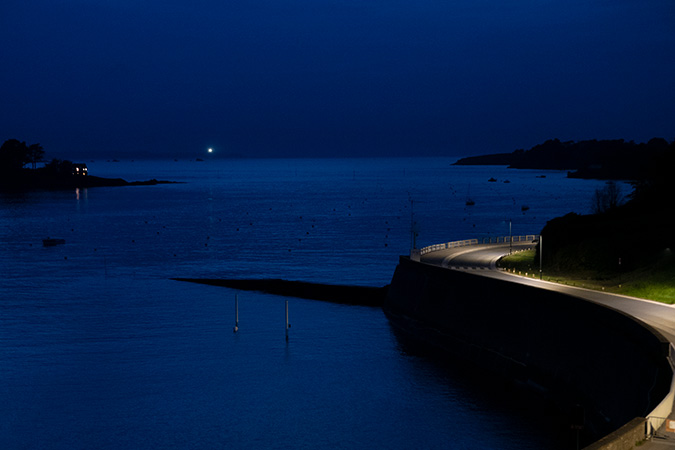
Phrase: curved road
{"type": "Point", "coordinates": [483, 258]}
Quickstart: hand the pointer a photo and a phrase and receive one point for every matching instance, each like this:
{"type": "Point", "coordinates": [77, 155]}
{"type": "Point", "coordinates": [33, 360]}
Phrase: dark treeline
{"type": "Point", "coordinates": [16, 155]}
{"type": "Point", "coordinates": [602, 159]}
{"type": "Point", "coordinates": [626, 232]}
{"type": "Point", "coordinates": [18, 163]}
{"type": "Point", "coordinates": [637, 234]}
{"type": "Point", "coordinates": [18, 170]}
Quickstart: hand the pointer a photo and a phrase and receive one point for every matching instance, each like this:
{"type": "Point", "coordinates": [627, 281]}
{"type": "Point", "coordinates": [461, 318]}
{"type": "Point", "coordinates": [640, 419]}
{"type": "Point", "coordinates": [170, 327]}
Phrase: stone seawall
{"type": "Point", "coordinates": [572, 351]}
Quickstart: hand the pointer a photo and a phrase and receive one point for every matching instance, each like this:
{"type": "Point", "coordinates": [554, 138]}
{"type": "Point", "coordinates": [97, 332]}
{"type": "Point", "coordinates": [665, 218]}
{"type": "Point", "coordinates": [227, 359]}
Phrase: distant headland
{"type": "Point", "coordinates": [600, 159]}
{"type": "Point", "coordinates": [16, 156]}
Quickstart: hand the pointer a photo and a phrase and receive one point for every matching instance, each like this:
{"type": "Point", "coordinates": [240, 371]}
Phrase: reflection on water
{"type": "Point", "coordinates": [100, 349]}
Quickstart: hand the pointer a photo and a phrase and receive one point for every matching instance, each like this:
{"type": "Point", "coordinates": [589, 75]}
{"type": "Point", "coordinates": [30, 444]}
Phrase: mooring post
{"type": "Point", "coordinates": [287, 324]}
{"type": "Point", "coordinates": [236, 313]}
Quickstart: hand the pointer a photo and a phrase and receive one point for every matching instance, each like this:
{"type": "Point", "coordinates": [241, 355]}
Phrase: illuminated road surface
{"type": "Point", "coordinates": [482, 259]}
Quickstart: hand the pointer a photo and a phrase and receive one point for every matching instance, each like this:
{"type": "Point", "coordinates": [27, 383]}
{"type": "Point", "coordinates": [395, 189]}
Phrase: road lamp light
{"type": "Point", "coordinates": [413, 244]}
{"type": "Point", "coordinates": [510, 238]}
{"type": "Point", "coordinates": [541, 256]}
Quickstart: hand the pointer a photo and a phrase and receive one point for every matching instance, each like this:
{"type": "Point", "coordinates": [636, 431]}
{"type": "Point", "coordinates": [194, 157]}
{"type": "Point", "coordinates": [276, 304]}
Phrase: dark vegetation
{"type": "Point", "coordinates": [625, 246]}
{"type": "Point", "coordinates": [18, 171]}
{"type": "Point", "coordinates": [619, 237]}
{"type": "Point", "coordinates": [601, 159]}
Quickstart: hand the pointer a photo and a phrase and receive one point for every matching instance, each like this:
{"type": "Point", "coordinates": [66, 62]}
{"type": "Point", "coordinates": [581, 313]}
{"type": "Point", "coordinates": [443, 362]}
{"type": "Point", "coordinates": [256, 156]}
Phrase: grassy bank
{"type": "Point", "coordinates": [655, 282]}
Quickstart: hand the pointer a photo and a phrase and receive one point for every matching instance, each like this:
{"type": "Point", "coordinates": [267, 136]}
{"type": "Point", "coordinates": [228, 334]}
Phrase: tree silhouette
{"type": "Point", "coordinates": [13, 156]}
{"type": "Point", "coordinates": [59, 167]}
{"type": "Point", "coordinates": [34, 154]}
{"type": "Point", "coordinates": [607, 198]}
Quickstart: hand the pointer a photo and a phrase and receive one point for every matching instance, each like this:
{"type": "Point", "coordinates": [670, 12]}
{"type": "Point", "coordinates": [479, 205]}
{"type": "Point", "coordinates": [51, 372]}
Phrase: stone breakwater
{"type": "Point", "coordinates": [353, 295]}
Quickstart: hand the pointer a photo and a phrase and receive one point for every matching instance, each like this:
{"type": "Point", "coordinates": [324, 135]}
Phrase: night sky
{"type": "Point", "coordinates": [131, 78]}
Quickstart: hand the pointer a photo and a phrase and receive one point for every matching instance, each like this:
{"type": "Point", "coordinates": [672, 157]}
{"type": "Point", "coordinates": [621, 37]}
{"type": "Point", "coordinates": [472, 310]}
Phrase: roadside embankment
{"type": "Point", "coordinates": [570, 350]}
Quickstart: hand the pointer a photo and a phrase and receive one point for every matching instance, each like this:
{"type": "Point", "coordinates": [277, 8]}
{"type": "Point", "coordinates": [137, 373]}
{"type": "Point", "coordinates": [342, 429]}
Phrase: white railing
{"type": "Point", "coordinates": [488, 240]}
{"type": "Point", "coordinates": [656, 418]}
{"type": "Point", "coordinates": [505, 239]}
{"type": "Point", "coordinates": [453, 244]}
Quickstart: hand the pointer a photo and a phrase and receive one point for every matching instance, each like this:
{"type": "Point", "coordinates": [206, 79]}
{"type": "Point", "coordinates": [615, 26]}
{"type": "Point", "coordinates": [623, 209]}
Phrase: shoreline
{"type": "Point", "coordinates": [33, 181]}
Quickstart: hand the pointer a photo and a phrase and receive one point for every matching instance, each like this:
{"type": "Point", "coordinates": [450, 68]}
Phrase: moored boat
{"type": "Point", "coordinates": [51, 242]}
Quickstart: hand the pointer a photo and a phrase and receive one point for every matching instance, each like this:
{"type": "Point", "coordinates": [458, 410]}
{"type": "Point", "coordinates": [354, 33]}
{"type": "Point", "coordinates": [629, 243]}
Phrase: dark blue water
{"type": "Point", "coordinates": [100, 349]}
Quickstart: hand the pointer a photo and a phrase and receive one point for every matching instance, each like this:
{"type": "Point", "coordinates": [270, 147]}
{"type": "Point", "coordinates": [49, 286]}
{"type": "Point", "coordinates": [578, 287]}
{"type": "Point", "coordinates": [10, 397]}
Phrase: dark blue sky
{"type": "Point", "coordinates": [130, 78]}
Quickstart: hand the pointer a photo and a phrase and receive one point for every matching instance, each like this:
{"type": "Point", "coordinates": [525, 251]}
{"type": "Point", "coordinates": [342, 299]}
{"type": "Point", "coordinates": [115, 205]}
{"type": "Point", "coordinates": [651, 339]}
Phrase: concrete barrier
{"type": "Point", "coordinates": [572, 351]}
{"type": "Point", "coordinates": [625, 438]}
{"type": "Point", "coordinates": [657, 417]}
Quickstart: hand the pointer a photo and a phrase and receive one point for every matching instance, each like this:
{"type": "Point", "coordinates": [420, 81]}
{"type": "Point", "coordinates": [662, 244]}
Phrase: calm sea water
{"type": "Point", "coordinates": [99, 348]}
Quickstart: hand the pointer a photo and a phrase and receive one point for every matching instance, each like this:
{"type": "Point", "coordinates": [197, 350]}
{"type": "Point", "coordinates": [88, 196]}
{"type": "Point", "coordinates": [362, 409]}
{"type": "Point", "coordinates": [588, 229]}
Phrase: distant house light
{"type": "Point", "coordinates": [80, 169]}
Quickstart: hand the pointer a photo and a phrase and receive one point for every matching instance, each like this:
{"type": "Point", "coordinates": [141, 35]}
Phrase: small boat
{"type": "Point", "coordinates": [524, 208]}
{"type": "Point", "coordinates": [492, 180]}
{"type": "Point", "coordinates": [469, 200]}
{"type": "Point", "coordinates": [51, 242]}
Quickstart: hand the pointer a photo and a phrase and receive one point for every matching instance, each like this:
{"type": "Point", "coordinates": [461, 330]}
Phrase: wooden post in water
{"type": "Point", "coordinates": [288, 325]}
{"type": "Point", "coordinates": [236, 313]}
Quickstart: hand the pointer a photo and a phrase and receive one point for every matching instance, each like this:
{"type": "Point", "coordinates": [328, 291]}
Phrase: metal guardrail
{"type": "Point", "coordinates": [505, 239]}
{"type": "Point", "coordinates": [438, 247]}
{"type": "Point", "coordinates": [488, 240]}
